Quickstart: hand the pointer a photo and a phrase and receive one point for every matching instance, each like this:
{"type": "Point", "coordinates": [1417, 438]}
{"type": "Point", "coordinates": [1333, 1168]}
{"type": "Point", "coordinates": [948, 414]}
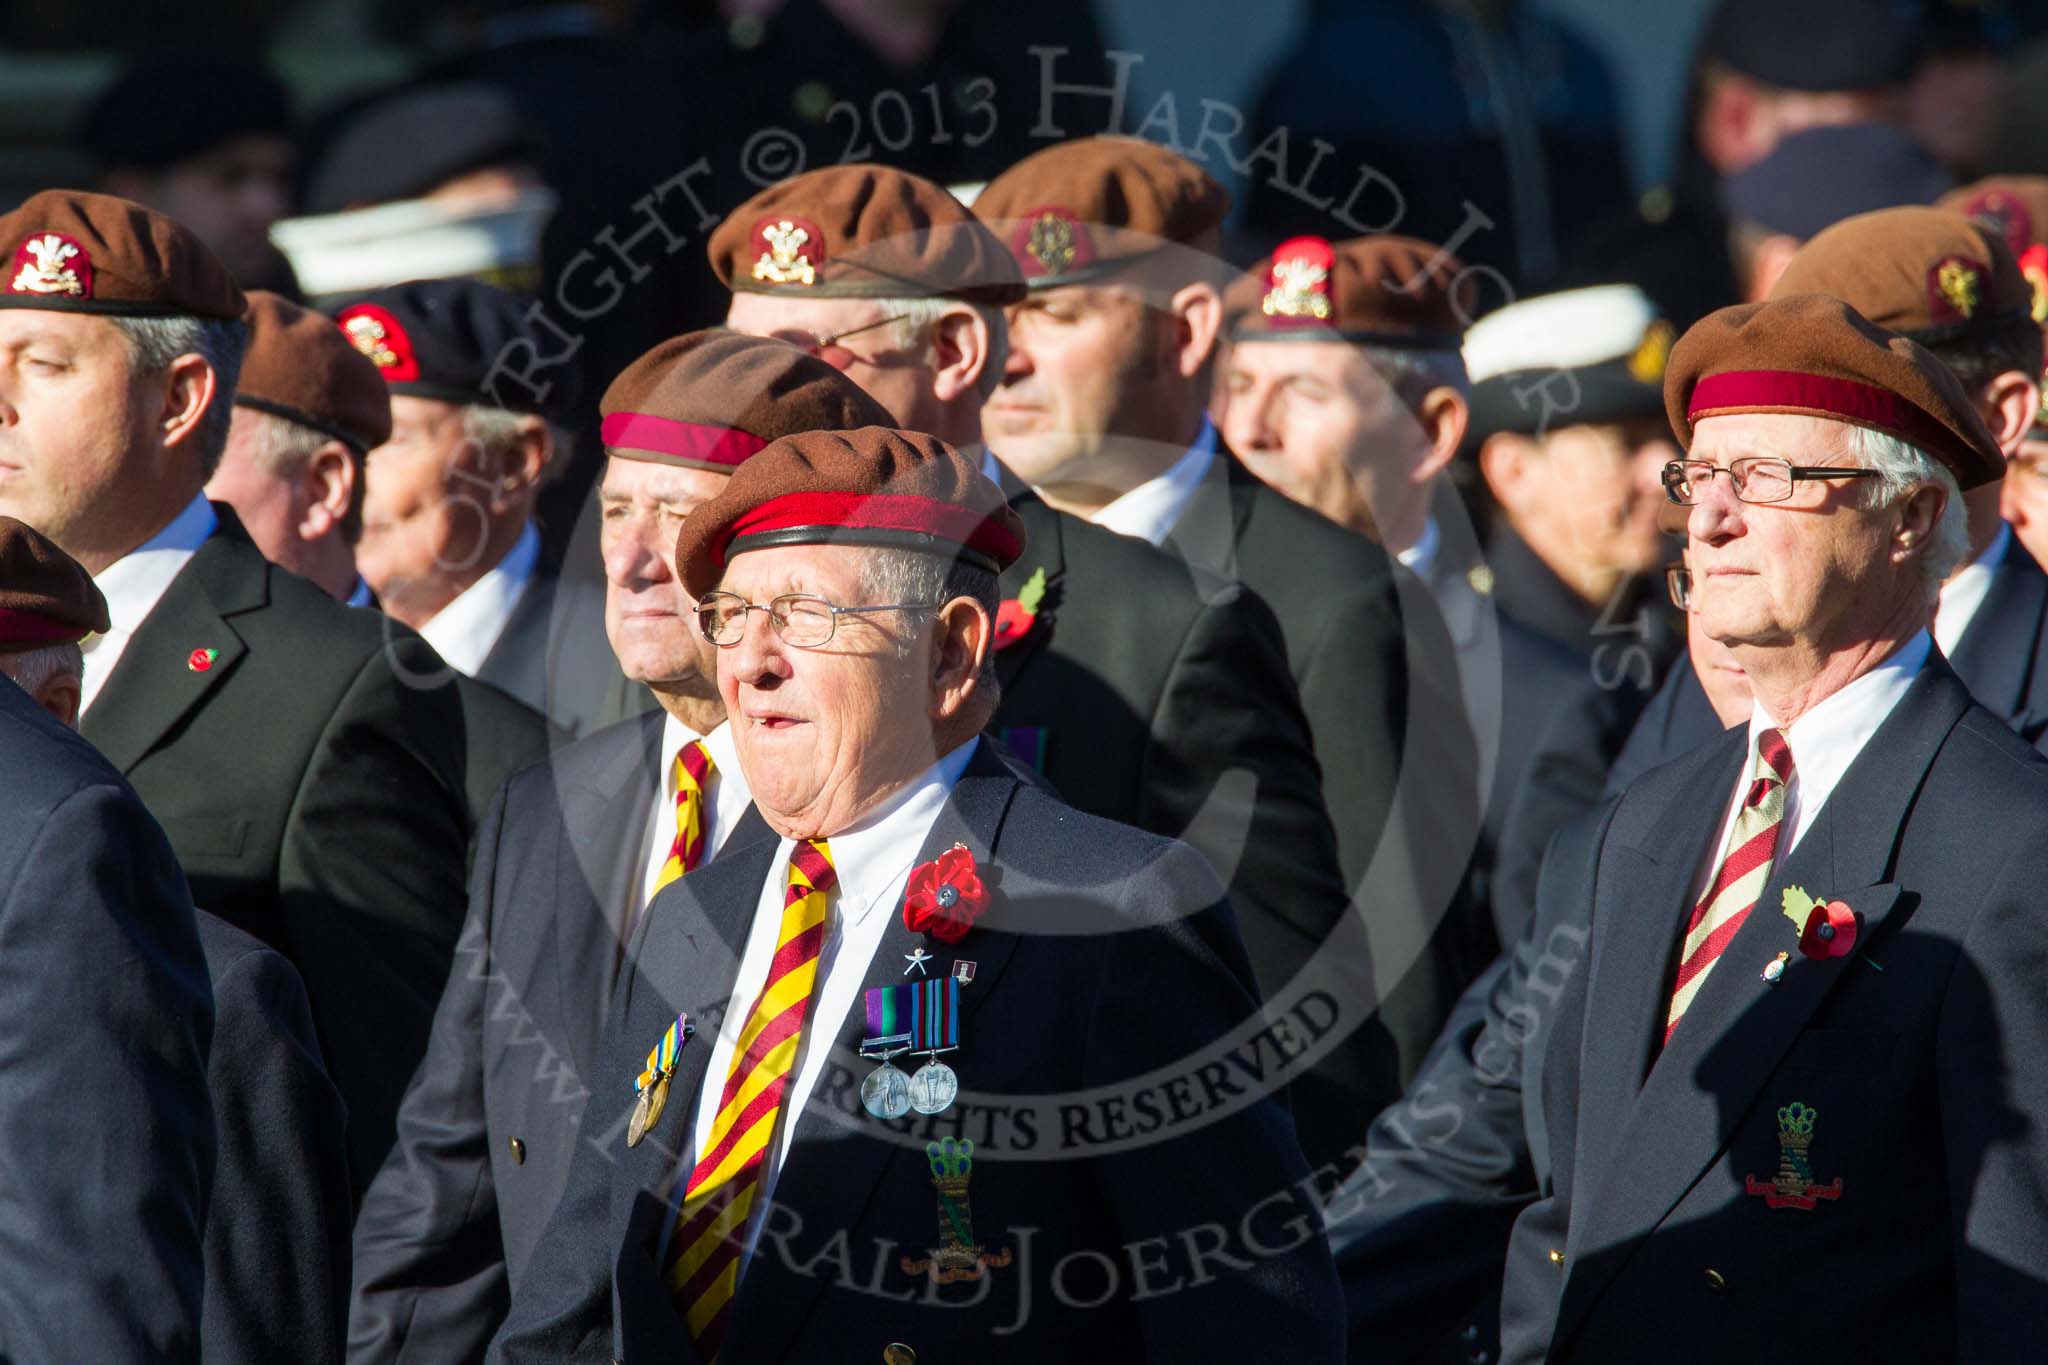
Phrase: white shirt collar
{"type": "Point", "coordinates": [1420, 557]}
{"type": "Point", "coordinates": [463, 632]}
{"type": "Point", "coordinates": [1965, 592]}
{"type": "Point", "coordinates": [1152, 509]}
{"type": "Point", "coordinates": [874, 858]}
{"type": "Point", "coordinates": [1826, 739]}
{"type": "Point", "coordinates": [137, 581]}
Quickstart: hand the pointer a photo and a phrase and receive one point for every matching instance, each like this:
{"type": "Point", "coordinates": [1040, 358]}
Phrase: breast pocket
{"type": "Point", "coordinates": [202, 839]}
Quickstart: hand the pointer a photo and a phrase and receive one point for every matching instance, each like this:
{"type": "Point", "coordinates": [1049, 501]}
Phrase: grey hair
{"type": "Point", "coordinates": [913, 576]}
{"type": "Point", "coordinates": [35, 669]}
{"type": "Point", "coordinates": [1905, 467]}
{"type": "Point", "coordinates": [918, 315]}
{"type": "Point", "coordinates": [282, 447]}
{"type": "Point", "coordinates": [496, 431]}
{"type": "Point", "coordinates": [1413, 374]}
{"type": "Point", "coordinates": [153, 343]}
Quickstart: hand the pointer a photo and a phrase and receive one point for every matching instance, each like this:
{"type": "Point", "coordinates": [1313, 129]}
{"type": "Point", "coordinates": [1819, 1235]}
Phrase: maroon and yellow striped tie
{"type": "Point", "coordinates": [693, 766]}
{"type": "Point", "coordinates": [1744, 872]}
{"type": "Point", "coordinates": [704, 1254]}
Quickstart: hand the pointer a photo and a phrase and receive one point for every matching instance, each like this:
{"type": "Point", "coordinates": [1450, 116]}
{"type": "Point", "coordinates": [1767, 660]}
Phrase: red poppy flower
{"type": "Point", "coordinates": [1013, 622]}
{"type": "Point", "coordinates": [944, 896]}
{"type": "Point", "coordinates": [1830, 931]}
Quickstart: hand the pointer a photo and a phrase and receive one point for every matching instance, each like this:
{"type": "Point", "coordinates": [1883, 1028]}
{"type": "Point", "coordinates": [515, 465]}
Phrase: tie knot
{"type": "Point", "coordinates": [811, 859]}
{"type": "Point", "coordinates": [695, 761]}
{"type": "Point", "coordinates": [1776, 753]}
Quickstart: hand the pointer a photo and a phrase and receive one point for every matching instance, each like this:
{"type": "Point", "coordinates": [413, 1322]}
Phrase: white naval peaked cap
{"type": "Point", "coordinates": [1563, 331]}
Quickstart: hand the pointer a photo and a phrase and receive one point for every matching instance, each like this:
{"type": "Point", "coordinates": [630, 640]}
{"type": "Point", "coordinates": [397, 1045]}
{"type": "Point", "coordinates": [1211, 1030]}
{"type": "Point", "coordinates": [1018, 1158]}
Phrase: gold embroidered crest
{"type": "Point", "coordinates": [47, 269]}
{"type": "Point", "coordinates": [367, 335]}
{"type": "Point", "coordinates": [1301, 289]}
{"type": "Point", "coordinates": [1958, 284]}
{"type": "Point", "coordinates": [785, 261]}
{"type": "Point", "coordinates": [1051, 243]}
{"type": "Point", "coordinates": [1652, 353]}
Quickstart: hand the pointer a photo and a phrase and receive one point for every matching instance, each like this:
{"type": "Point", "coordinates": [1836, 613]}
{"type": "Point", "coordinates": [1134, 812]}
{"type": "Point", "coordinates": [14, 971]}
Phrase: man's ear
{"type": "Point", "coordinates": [961, 640]}
{"type": "Point", "coordinates": [327, 488]}
{"type": "Point", "coordinates": [60, 696]}
{"type": "Point", "coordinates": [526, 460]}
{"type": "Point", "coordinates": [961, 349]}
{"type": "Point", "coordinates": [2009, 405]}
{"type": "Point", "coordinates": [190, 389]}
{"type": "Point", "coordinates": [1506, 462]}
{"type": "Point", "coordinates": [1919, 514]}
{"type": "Point", "coordinates": [1445, 416]}
{"type": "Point", "coordinates": [1198, 310]}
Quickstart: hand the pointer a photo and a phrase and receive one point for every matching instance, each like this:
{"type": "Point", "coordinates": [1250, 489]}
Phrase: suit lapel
{"type": "Point", "coordinates": [1045, 548]}
{"type": "Point", "coordinates": [1995, 657]}
{"type": "Point", "coordinates": [154, 686]}
{"type": "Point", "coordinates": [833, 1165]}
{"type": "Point", "coordinates": [1740, 1026]}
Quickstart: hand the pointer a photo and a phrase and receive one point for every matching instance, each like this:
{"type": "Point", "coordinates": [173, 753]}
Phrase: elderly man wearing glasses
{"type": "Point", "coordinates": [1808, 1030]}
{"type": "Point", "coordinates": [760, 1181]}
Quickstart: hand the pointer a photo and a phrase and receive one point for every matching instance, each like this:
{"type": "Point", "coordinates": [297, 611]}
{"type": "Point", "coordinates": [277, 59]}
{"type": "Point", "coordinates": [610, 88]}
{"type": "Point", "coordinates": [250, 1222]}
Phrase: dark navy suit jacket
{"type": "Point", "coordinates": [1108, 965]}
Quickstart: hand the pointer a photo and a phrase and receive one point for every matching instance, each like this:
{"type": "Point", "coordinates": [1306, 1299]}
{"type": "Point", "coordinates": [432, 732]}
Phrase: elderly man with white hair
{"type": "Point", "coordinates": [1796, 1091]}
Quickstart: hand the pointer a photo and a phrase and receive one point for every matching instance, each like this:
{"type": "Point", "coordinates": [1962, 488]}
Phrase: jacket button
{"type": "Point", "coordinates": [1714, 1281]}
{"type": "Point", "coordinates": [1556, 1256]}
{"type": "Point", "coordinates": [896, 1353]}
{"type": "Point", "coordinates": [518, 1151]}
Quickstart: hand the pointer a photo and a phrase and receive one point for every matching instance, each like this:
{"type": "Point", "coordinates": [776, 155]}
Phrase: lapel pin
{"type": "Point", "coordinates": [917, 957]}
{"type": "Point", "coordinates": [1775, 968]}
{"type": "Point", "coordinates": [1826, 928]}
{"type": "Point", "coordinates": [202, 659]}
{"type": "Point", "coordinates": [963, 971]}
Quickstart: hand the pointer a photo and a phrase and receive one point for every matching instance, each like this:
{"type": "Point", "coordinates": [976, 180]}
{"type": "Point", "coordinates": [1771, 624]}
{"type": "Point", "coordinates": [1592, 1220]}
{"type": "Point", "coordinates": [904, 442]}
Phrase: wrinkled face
{"type": "Point", "coordinates": [1315, 420]}
{"type": "Point", "coordinates": [425, 503]}
{"type": "Point", "coordinates": [2023, 497]}
{"type": "Point", "coordinates": [266, 502]}
{"type": "Point", "coordinates": [825, 734]}
{"type": "Point", "coordinates": [1813, 571]}
{"type": "Point", "coordinates": [1605, 484]}
{"type": "Point", "coordinates": [1087, 364]}
{"type": "Point", "coordinates": [647, 613]}
{"type": "Point", "coordinates": [896, 376]}
{"type": "Point", "coordinates": [80, 454]}
{"type": "Point", "coordinates": [231, 196]}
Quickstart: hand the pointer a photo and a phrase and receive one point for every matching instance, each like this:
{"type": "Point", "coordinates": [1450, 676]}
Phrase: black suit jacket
{"type": "Point", "coordinates": [501, 735]}
{"type": "Point", "coordinates": [2003, 653]}
{"type": "Point", "coordinates": [106, 1130]}
{"type": "Point", "coordinates": [1050, 1016]}
{"type": "Point", "coordinates": [1922, 1056]}
{"type": "Point", "coordinates": [1156, 694]}
{"type": "Point", "coordinates": [310, 780]}
{"type": "Point", "coordinates": [277, 1238]}
{"type": "Point", "coordinates": [553, 654]}
{"type": "Point", "coordinates": [490, 1121]}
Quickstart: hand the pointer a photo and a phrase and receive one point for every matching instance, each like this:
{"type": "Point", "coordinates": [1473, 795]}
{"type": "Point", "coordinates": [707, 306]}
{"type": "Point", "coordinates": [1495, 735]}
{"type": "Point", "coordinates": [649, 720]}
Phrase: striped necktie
{"type": "Point", "coordinates": [1745, 870]}
{"type": "Point", "coordinates": [704, 1253]}
{"type": "Point", "coordinates": [693, 766]}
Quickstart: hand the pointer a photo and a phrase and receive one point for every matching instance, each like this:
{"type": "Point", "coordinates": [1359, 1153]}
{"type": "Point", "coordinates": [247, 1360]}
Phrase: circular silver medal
{"type": "Point", "coordinates": [885, 1093]}
{"type": "Point", "coordinates": [933, 1087]}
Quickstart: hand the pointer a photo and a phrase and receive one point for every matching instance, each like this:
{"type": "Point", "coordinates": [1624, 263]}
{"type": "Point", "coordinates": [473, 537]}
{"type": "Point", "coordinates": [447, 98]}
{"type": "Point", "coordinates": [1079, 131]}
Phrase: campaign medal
{"type": "Point", "coordinates": [652, 1083]}
{"type": "Point", "coordinates": [920, 1017]}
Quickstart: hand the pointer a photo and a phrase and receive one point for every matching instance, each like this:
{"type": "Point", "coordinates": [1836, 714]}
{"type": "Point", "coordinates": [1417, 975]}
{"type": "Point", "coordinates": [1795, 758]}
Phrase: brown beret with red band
{"type": "Point", "coordinates": [92, 253]}
{"type": "Point", "coordinates": [861, 232]}
{"type": "Point", "coordinates": [1817, 357]}
{"type": "Point", "coordinates": [46, 596]}
{"type": "Point", "coordinates": [301, 367]}
{"type": "Point", "coordinates": [1380, 290]}
{"type": "Point", "coordinates": [710, 399]}
{"type": "Point", "coordinates": [2013, 206]}
{"type": "Point", "coordinates": [874, 486]}
{"type": "Point", "coordinates": [1934, 275]}
{"type": "Point", "coordinates": [1083, 209]}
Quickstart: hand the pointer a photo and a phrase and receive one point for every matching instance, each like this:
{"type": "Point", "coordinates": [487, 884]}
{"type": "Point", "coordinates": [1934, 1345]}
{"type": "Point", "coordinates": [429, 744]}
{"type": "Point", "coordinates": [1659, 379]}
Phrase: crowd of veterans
{"type": "Point", "coordinates": [1025, 790]}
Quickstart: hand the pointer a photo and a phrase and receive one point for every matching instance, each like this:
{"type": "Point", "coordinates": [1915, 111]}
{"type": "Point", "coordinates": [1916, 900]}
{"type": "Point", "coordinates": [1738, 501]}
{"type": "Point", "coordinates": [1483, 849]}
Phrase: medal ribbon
{"type": "Point", "coordinates": [929, 1011]}
{"type": "Point", "coordinates": [662, 1060]}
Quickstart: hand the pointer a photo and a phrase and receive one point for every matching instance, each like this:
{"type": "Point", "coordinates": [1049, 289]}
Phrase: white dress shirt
{"type": "Point", "coordinates": [1965, 592]}
{"type": "Point", "coordinates": [1152, 509]}
{"type": "Point", "coordinates": [873, 862]}
{"type": "Point", "coordinates": [463, 632]}
{"type": "Point", "coordinates": [1824, 742]}
{"type": "Point", "coordinates": [725, 799]}
{"type": "Point", "coordinates": [135, 583]}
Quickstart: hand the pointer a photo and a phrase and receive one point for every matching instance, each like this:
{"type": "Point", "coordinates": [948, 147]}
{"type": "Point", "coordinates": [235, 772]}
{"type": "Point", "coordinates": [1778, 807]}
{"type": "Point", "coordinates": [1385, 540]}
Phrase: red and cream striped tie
{"type": "Point", "coordinates": [1744, 871]}
{"type": "Point", "coordinates": [693, 766]}
{"type": "Point", "coordinates": [704, 1254]}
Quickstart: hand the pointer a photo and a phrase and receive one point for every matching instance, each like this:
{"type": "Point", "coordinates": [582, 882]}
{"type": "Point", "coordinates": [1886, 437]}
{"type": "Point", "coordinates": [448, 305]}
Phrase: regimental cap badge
{"type": "Point", "coordinates": [1051, 241]}
{"type": "Point", "coordinates": [1646, 364]}
{"type": "Point", "coordinates": [1955, 286]}
{"type": "Point", "coordinates": [789, 250]}
{"type": "Point", "coordinates": [378, 334]}
{"type": "Point", "coordinates": [52, 265]}
{"type": "Point", "coordinates": [2004, 215]}
{"type": "Point", "coordinates": [1298, 281]}
{"type": "Point", "coordinates": [2034, 265]}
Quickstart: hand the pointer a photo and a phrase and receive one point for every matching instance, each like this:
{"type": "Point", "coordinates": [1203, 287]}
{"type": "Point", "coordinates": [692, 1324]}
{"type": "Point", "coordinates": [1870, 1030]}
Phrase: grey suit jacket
{"type": "Point", "coordinates": [106, 1131]}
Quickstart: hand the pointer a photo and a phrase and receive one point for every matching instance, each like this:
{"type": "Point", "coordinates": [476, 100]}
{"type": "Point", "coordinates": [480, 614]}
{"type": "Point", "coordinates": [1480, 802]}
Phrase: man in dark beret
{"type": "Point", "coordinates": [849, 580]}
{"type": "Point", "coordinates": [204, 138]}
{"type": "Point", "coordinates": [48, 603]}
{"type": "Point", "coordinates": [1806, 1031]}
{"type": "Point", "coordinates": [1136, 683]}
{"type": "Point", "coordinates": [449, 544]}
{"type": "Point", "coordinates": [1102, 411]}
{"type": "Point", "coordinates": [105, 981]}
{"type": "Point", "coordinates": [572, 852]}
{"type": "Point", "coordinates": [312, 794]}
